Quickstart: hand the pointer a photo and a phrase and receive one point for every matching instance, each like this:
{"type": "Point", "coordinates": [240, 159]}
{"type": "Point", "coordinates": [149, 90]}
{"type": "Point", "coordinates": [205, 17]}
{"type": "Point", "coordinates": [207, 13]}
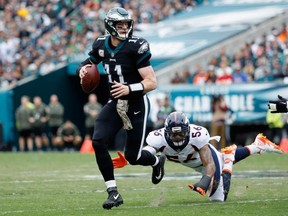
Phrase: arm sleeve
{"type": "Point", "coordinates": [143, 53]}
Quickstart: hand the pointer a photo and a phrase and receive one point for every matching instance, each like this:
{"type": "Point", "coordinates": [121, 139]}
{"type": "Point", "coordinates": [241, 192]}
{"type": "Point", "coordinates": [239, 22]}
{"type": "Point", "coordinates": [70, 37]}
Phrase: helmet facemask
{"type": "Point", "coordinates": [178, 136]}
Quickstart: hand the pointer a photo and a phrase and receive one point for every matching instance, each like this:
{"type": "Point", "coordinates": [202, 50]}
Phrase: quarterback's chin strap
{"type": "Point", "coordinates": [122, 108]}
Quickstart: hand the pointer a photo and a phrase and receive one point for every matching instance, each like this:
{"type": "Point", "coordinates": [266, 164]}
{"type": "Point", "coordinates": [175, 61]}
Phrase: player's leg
{"type": "Point", "coordinates": [106, 126]}
{"type": "Point", "coordinates": [37, 137]}
{"type": "Point", "coordinates": [263, 145]}
{"type": "Point", "coordinates": [44, 137]}
{"type": "Point", "coordinates": [231, 155]}
{"type": "Point", "coordinates": [29, 139]}
{"type": "Point", "coordinates": [216, 189]}
{"type": "Point", "coordinates": [134, 152]}
{"type": "Point", "coordinates": [260, 145]}
{"type": "Point", "coordinates": [228, 161]}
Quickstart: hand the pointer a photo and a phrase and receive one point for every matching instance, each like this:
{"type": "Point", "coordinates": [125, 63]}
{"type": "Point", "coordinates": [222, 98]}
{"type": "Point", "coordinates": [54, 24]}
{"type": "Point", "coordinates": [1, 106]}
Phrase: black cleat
{"type": "Point", "coordinates": [158, 170]}
{"type": "Point", "coordinates": [114, 198]}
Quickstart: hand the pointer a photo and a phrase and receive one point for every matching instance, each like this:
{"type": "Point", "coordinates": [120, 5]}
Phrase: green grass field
{"type": "Point", "coordinates": [70, 184]}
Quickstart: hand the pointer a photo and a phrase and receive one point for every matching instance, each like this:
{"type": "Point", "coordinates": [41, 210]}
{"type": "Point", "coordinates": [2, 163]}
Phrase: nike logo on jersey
{"type": "Point", "coordinates": [135, 113]}
{"type": "Point", "coordinates": [116, 197]}
{"type": "Point", "coordinates": [141, 42]}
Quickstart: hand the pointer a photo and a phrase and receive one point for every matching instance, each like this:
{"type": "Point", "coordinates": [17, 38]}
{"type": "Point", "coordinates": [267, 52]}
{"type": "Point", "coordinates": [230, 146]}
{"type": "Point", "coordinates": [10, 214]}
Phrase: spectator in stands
{"type": "Point", "coordinates": [283, 34]}
{"type": "Point", "coordinates": [30, 28]}
{"type": "Point", "coordinates": [223, 56]}
{"type": "Point", "coordinates": [276, 123]}
{"type": "Point", "coordinates": [238, 75]}
{"type": "Point", "coordinates": [91, 111]}
{"type": "Point", "coordinates": [211, 74]}
{"type": "Point", "coordinates": [39, 120]}
{"type": "Point", "coordinates": [23, 124]}
{"type": "Point", "coordinates": [55, 111]}
{"type": "Point", "coordinates": [68, 137]}
{"type": "Point", "coordinates": [224, 74]}
{"type": "Point", "coordinates": [47, 66]}
{"type": "Point", "coordinates": [218, 123]}
{"type": "Point", "coordinates": [177, 79]}
{"type": "Point", "coordinates": [247, 56]}
{"type": "Point", "coordinates": [213, 62]}
{"type": "Point", "coordinates": [200, 77]}
{"type": "Point", "coordinates": [276, 67]}
{"type": "Point", "coordinates": [224, 66]}
{"type": "Point", "coordinates": [187, 76]}
{"type": "Point", "coordinates": [262, 71]}
{"type": "Point", "coordinates": [265, 76]}
{"type": "Point", "coordinates": [164, 110]}
{"type": "Point", "coordinates": [249, 69]}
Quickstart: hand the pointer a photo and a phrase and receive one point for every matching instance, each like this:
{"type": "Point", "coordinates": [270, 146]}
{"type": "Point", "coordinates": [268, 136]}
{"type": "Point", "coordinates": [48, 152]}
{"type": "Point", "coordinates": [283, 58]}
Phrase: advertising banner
{"type": "Point", "coordinates": [247, 102]}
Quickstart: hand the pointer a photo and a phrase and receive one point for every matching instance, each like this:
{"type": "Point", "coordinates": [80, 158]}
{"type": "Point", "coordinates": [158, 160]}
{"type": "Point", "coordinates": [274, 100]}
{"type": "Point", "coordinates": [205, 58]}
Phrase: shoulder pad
{"type": "Point", "coordinates": [203, 137]}
{"type": "Point", "coordinates": [137, 41]}
{"type": "Point", "coordinates": [98, 41]}
{"type": "Point", "coordinates": [139, 45]}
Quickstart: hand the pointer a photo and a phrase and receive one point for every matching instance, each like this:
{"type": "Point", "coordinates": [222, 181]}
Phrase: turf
{"type": "Point", "coordinates": [70, 184]}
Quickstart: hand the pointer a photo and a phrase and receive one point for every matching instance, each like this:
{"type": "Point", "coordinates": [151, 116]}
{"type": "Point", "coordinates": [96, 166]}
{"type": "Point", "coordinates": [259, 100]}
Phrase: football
{"type": "Point", "coordinates": [91, 79]}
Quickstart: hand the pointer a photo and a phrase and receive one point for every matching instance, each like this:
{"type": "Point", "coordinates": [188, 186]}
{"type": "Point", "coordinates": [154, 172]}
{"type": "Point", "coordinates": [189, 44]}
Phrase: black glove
{"type": "Point", "coordinates": [201, 186]}
{"type": "Point", "coordinates": [279, 106]}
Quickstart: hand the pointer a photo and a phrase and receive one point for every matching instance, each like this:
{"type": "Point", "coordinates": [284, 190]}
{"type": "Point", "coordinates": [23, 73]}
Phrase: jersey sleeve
{"type": "Point", "coordinates": [94, 54]}
{"type": "Point", "coordinates": [142, 52]}
{"type": "Point", "coordinates": [156, 139]}
{"type": "Point", "coordinates": [199, 136]}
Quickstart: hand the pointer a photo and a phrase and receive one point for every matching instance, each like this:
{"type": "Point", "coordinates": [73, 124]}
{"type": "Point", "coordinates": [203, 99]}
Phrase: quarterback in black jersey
{"type": "Point", "coordinates": [126, 60]}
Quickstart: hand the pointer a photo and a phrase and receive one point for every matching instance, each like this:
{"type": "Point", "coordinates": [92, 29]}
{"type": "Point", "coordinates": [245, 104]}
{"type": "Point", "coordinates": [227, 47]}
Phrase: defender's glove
{"type": "Point", "coordinates": [120, 161]}
{"type": "Point", "coordinates": [202, 186]}
{"type": "Point", "coordinates": [279, 106]}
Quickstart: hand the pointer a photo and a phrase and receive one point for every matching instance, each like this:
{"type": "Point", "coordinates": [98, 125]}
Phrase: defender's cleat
{"type": "Point", "coordinates": [265, 145]}
{"type": "Point", "coordinates": [229, 153]}
{"type": "Point", "coordinates": [114, 198]}
{"type": "Point", "coordinates": [158, 170]}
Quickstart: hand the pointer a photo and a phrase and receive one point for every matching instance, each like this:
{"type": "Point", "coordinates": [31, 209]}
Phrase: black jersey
{"type": "Point", "coordinates": [121, 63]}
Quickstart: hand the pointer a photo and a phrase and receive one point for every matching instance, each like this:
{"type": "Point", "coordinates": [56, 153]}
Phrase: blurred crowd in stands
{"type": "Point", "coordinates": [263, 59]}
{"type": "Point", "coordinates": [36, 37]}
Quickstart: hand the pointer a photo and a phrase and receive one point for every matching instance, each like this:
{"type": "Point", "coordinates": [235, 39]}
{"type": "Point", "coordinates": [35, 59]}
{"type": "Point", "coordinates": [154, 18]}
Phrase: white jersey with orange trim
{"type": "Point", "coordinates": [188, 156]}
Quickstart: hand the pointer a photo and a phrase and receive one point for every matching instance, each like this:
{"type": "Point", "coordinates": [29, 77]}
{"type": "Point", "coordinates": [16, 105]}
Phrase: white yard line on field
{"type": "Point", "coordinates": [252, 174]}
{"type": "Point", "coordinates": [149, 206]}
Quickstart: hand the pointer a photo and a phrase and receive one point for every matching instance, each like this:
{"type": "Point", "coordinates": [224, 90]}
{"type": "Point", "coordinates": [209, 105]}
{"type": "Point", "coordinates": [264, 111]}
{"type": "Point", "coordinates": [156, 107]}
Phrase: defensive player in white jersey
{"type": "Point", "coordinates": [188, 144]}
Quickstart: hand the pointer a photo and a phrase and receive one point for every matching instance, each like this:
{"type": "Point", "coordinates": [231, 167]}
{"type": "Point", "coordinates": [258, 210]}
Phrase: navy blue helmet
{"type": "Point", "coordinates": [177, 129]}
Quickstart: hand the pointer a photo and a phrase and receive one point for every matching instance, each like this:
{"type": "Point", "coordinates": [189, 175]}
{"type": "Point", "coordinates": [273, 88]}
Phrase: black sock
{"type": "Point", "coordinates": [226, 183]}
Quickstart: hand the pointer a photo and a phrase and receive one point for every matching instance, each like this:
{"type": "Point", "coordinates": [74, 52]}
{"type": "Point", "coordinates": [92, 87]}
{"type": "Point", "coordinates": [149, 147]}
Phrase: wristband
{"type": "Point", "coordinates": [136, 87]}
